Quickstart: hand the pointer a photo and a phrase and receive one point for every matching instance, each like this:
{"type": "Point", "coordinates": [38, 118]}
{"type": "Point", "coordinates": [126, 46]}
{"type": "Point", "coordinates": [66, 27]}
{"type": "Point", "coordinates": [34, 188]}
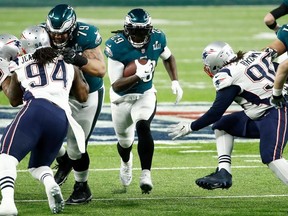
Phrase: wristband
{"type": "Point", "coordinates": [272, 26]}
{"type": "Point", "coordinates": [80, 61]}
{"type": "Point", "coordinates": [276, 92]}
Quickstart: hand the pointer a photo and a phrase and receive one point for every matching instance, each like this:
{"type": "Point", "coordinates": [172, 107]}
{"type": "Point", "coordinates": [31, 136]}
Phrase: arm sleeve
{"type": "Point", "coordinates": [165, 54]}
{"type": "Point", "coordinates": [115, 70]}
{"type": "Point", "coordinates": [280, 11]}
{"type": "Point", "coordinates": [223, 100]}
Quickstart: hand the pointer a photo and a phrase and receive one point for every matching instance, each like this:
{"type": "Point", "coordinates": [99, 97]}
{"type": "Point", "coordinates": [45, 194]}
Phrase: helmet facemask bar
{"type": "Point", "coordinates": [53, 32]}
{"type": "Point", "coordinates": [138, 36]}
{"type": "Point", "coordinates": [61, 22]}
{"type": "Point", "coordinates": [137, 27]}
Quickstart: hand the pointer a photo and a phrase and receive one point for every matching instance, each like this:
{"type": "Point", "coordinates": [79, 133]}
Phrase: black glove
{"type": "Point", "coordinates": [277, 101]}
{"type": "Point", "coordinates": [71, 57]}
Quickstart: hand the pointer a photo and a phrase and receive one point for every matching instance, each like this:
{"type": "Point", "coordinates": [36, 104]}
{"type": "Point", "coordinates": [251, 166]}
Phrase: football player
{"type": "Point", "coordinates": [247, 79]}
{"type": "Point", "coordinates": [133, 98]}
{"type": "Point", "coordinates": [41, 81]}
{"type": "Point", "coordinates": [271, 17]}
{"type": "Point", "coordinates": [80, 45]}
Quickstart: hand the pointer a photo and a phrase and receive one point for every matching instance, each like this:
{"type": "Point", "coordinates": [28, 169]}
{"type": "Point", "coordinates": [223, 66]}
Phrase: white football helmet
{"type": "Point", "coordinates": [33, 38]}
{"type": "Point", "coordinates": [215, 55]}
{"type": "Point", "coordinates": [9, 47]}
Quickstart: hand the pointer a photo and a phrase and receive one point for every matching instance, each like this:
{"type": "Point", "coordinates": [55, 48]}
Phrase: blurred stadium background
{"type": "Point", "coordinates": [37, 3]}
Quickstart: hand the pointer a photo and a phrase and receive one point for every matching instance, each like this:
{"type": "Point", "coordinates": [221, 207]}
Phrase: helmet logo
{"type": "Point", "coordinates": [206, 53]}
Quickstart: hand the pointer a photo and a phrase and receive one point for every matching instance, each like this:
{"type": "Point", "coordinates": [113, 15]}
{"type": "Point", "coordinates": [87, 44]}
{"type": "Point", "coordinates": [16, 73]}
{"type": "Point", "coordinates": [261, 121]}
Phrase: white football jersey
{"type": "Point", "coordinates": [52, 81]}
{"type": "Point", "coordinates": [255, 75]}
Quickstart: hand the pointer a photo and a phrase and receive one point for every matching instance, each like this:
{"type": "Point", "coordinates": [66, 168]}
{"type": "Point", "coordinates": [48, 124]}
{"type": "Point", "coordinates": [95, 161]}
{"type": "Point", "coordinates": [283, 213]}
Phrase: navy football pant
{"type": "Point", "coordinates": [40, 128]}
{"type": "Point", "coordinates": [271, 129]}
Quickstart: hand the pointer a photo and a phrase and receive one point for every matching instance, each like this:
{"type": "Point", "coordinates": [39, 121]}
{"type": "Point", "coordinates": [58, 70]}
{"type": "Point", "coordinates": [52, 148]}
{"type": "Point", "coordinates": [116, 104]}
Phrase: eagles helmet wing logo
{"type": "Point", "coordinates": [108, 51]}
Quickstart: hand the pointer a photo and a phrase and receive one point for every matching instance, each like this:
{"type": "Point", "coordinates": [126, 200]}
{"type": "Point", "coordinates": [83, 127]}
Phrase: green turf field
{"type": "Point", "coordinates": [255, 190]}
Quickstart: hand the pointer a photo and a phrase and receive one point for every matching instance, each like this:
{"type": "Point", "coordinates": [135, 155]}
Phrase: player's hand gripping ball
{"type": "Point", "coordinates": [131, 67]}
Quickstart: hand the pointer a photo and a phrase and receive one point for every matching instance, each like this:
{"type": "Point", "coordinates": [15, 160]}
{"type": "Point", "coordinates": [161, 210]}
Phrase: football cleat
{"type": "Point", "coordinates": [126, 171]}
{"type": "Point", "coordinates": [8, 209]}
{"type": "Point", "coordinates": [55, 199]}
{"type": "Point", "coordinates": [80, 195]}
{"type": "Point", "coordinates": [145, 181]}
{"type": "Point", "coordinates": [219, 179]}
{"type": "Point", "coordinates": [64, 168]}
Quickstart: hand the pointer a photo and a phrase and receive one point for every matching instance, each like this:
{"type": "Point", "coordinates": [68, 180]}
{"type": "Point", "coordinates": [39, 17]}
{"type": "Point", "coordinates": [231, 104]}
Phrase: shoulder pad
{"type": "Point", "coordinates": [88, 35]}
{"type": "Point", "coordinates": [116, 46]}
{"type": "Point", "coordinates": [222, 80]}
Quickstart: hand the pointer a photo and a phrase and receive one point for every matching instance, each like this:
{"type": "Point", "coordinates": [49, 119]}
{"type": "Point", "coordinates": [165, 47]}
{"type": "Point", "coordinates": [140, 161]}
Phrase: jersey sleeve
{"type": "Point", "coordinates": [223, 100]}
{"type": "Point", "coordinates": [222, 80]}
{"type": "Point", "coordinates": [161, 38]}
{"type": "Point", "coordinates": [89, 36]}
{"type": "Point", "coordinates": [282, 35]}
{"type": "Point", "coordinates": [116, 47]}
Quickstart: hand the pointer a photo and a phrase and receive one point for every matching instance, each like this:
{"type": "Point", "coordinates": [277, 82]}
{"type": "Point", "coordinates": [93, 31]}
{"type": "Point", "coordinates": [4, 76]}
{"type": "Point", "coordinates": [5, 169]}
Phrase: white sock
{"type": "Point", "coordinates": [45, 175]}
{"type": "Point", "coordinates": [224, 144]}
{"type": "Point", "coordinates": [81, 176]}
{"type": "Point", "coordinates": [280, 169]}
{"type": "Point", "coordinates": [8, 175]}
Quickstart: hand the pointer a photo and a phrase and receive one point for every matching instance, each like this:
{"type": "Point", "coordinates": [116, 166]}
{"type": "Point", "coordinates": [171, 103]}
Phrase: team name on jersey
{"type": "Point", "coordinates": [249, 60]}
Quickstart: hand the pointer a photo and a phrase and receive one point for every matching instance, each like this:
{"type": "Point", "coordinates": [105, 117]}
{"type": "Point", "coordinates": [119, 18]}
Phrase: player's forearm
{"type": "Point", "coordinates": [281, 75]}
{"type": "Point", "coordinates": [170, 66]}
{"type": "Point", "coordinates": [94, 67]}
{"type": "Point", "coordinates": [12, 91]}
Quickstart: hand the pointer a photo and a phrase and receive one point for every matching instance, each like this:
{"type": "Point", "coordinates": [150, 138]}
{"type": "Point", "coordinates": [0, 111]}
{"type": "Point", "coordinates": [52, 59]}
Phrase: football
{"type": "Point", "coordinates": [130, 68]}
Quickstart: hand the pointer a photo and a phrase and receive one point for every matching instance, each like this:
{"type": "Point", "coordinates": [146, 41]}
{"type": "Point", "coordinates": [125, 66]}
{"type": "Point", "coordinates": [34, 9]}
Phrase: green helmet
{"type": "Point", "coordinates": [60, 20]}
{"type": "Point", "coordinates": [137, 27]}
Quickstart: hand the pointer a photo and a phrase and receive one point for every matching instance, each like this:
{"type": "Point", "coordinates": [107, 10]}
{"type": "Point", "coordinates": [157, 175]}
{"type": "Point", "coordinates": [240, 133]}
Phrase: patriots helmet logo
{"type": "Point", "coordinates": [206, 53]}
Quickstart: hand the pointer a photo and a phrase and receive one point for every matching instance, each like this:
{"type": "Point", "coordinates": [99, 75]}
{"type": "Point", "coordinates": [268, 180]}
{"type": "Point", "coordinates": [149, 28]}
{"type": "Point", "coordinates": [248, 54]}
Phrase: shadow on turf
{"type": "Point", "coordinates": [120, 190]}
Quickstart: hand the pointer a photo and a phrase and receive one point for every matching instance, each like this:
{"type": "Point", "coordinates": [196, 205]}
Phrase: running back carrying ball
{"type": "Point", "coordinates": [130, 69]}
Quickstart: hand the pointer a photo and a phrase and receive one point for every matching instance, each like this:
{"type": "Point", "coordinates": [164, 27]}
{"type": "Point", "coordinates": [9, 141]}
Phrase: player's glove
{"type": "Point", "coordinates": [273, 53]}
{"type": "Point", "coordinates": [176, 89]}
{"type": "Point", "coordinates": [71, 57]}
{"type": "Point", "coordinates": [4, 70]}
{"type": "Point", "coordinates": [277, 101]}
{"type": "Point", "coordinates": [179, 130]}
{"type": "Point", "coordinates": [142, 71]}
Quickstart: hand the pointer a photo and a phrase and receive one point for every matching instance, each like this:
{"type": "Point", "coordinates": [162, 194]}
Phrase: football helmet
{"type": "Point", "coordinates": [33, 38]}
{"type": "Point", "coordinates": [215, 55]}
{"type": "Point", "coordinates": [137, 27]}
{"type": "Point", "coordinates": [9, 47]}
{"type": "Point", "coordinates": [61, 20]}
